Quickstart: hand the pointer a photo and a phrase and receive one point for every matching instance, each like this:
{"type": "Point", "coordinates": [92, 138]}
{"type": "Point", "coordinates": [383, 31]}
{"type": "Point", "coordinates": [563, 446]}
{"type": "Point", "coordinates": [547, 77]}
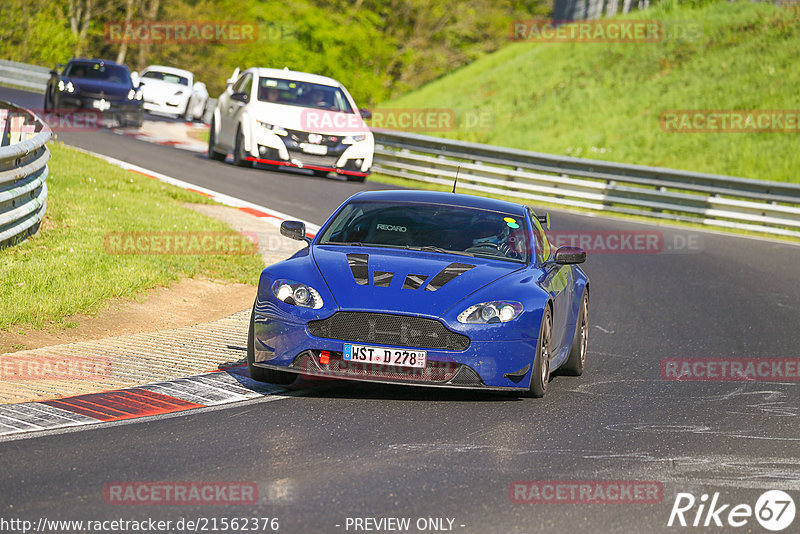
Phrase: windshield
{"type": "Point", "coordinates": [165, 77]}
{"type": "Point", "coordinates": [304, 94]}
{"type": "Point", "coordinates": [433, 227]}
{"type": "Point", "coordinates": [98, 71]}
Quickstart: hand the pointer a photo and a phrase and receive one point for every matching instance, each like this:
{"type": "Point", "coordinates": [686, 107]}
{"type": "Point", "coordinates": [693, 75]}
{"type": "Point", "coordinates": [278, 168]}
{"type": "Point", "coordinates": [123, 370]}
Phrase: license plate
{"type": "Point", "coordinates": [318, 150]}
{"type": "Point", "coordinates": [385, 356]}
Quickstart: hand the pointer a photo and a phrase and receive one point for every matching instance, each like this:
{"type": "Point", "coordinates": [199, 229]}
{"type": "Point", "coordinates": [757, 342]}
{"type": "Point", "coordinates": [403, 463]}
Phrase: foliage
{"type": "Point", "coordinates": [377, 48]}
{"type": "Point", "coordinates": [604, 101]}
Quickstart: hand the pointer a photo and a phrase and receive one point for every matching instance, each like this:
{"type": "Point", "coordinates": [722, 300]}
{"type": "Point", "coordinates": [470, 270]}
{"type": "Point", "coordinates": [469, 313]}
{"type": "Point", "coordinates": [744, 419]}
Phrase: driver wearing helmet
{"type": "Point", "coordinates": [491, 235]}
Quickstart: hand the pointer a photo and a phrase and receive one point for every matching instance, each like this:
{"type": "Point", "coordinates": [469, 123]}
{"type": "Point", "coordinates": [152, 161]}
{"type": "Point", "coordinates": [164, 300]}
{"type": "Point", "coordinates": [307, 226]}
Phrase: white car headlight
{"type": "Point", "coordinates": [139, 95]}
{"type": "Point", "coordinates": [131, 94]}
{"type": "Point", "coordinates": [297, 294]}
{"type": "Point", "coordinates": [272, 128]}
{"type": "Point", "coordinates": [496, 311]}
{"type": "Point", "coordinates": [68, 87]}
{"type": "Point", "coordinates": [350, 139]}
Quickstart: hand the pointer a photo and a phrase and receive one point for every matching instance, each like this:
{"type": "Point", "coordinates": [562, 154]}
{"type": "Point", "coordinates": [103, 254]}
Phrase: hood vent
{"type": "Point", "coordinates": [359, 266]}
{"type": "Point", "coordinates": [448, 274]}
{"type": "Point", "coordinates": [382, 278]}
{"type": "Point", "coordinates": [414, 281]}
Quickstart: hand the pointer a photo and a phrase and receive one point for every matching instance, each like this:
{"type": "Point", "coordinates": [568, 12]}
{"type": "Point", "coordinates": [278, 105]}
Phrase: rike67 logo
{"type": "Point", "coordinates": [774, 510]}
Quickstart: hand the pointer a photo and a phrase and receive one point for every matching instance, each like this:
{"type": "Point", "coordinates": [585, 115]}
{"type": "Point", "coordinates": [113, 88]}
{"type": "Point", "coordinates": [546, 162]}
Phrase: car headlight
{"type": "Point", "coordinates": [497, 311]}
{"type": "Point", "coordinates": [139, 94]}
{"type": "Point", "coordinates": [350, 139]}
{"type": "Point", "coordinates": [68, 87]}
{"type": "Point", "coordinates": [272, 128]}
{"type": "Point", "coordinates": [297, 294]}
{"type": "Point", "coordinates": [131, 94]}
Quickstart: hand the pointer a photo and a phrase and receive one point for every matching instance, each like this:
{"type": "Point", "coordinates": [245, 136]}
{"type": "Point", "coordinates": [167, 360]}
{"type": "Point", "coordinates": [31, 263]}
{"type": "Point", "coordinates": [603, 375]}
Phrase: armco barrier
{"type": "Point", "coordinates": [738, 203]}
{"type": "Point", "coordinates": [23, 173]}
{"type": "Point", "coordinates": [22, 75]}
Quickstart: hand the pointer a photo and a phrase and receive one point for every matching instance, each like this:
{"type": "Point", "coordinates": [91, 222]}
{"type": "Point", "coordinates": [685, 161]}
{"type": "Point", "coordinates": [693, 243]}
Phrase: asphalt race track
{"type": "Point", "coordinates": [335, 452]}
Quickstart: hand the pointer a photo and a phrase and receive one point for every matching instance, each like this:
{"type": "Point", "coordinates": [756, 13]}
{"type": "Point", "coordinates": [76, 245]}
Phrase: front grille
{"type": "Point", "coordinates": [387, 329]}
{"type": "Point", "coordinates": [98, 96]}
{"type": "Point", "coordinates": [299, 136]}
{"type": "Point", "coordinates": [442, 372]}
{"type": "Point", "coordinates": [313, 159]}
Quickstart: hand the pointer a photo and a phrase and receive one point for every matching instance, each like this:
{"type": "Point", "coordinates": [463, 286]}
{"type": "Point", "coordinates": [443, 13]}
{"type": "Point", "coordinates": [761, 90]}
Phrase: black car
{"type": "Point", "coordinates": [98, 85]}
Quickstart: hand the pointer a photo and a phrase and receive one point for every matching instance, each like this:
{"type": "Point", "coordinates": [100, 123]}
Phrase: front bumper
{"type": "Point", "coordinates": [169, 107]}
{"type": "Point", "coordinates": [110, 110]}
{"type": "Point", "coordinates": [285, 345]}
{"type": "Point", "coordinates": [287, 151]}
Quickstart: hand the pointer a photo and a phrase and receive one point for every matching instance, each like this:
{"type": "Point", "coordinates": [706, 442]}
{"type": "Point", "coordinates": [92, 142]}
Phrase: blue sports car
{"type": "Point", "coordinates": [423, 288]}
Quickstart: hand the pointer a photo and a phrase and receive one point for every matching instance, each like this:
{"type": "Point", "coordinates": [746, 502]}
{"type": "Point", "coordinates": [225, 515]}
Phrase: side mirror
{"type": "Point", "coordinates": [365, 114]}
{"type": "Point", "coordinates": [294, 230]}
{"type": "Point", "coordinates": [54, 72]}
{"type": "Point", "coordinates": [569, 255]}
{"type": "Point", "coordinates": [240, 97]}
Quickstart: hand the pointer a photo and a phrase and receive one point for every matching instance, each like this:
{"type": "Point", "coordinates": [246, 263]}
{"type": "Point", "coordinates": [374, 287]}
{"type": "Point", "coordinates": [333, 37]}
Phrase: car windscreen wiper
{"type": "Point", "coordinates": [348, 243]}
{"type": "Point", "coordinates": [440, 250]}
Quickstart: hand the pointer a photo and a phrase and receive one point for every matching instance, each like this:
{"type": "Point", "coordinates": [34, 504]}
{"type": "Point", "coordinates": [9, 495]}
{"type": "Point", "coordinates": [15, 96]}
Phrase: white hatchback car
{"type": "Point", "coordinates": [173, 92]}
{"type": "Point", "coordinates": [284, 118]}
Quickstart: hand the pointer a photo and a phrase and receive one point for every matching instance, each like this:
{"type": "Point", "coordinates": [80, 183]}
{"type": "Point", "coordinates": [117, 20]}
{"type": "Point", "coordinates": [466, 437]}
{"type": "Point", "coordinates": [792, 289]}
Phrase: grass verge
{"type": "Point", "coordinates": [605, 100]}
{"type": "Point", "coordinates": [65, 268]}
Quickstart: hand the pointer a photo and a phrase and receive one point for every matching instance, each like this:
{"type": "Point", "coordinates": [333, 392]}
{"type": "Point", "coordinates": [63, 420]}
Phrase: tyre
{"type": "Point", "coordinates": [136, 122]}
{"type": "Point", "coordinates": [351, 178]}
{"type": "Point", "coordinates": [540, 375]}
{"type": "Point", "coordinates": [259, 374]}
{"type": "Point", "coordinates": [239, 157]}
{"type": "Point", "coordinates": [187, 113]}
{"type": "Point", "coordinates": [212, 144]}
{"type": "Point", "coordinates": [577, 354]}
